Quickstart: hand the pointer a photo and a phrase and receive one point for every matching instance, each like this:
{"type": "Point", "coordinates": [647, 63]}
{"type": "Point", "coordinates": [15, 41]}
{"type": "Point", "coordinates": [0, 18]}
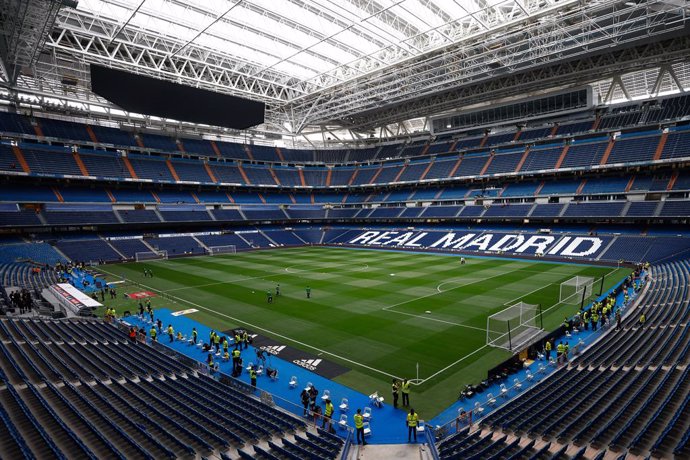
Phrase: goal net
{"type": "Point", "coordinates": [573, 289]}
{"type": "Point", "coordinates": [150, 255]}
{"type": "Point", "coordinates": [215, 250]}
{"type": "Point", "coordinates": [515, 327]}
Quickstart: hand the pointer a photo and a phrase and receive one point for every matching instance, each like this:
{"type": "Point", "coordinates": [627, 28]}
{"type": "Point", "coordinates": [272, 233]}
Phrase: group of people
{"type": "Point", "coordinates": [269, 293]}
{"type": "Point", "coordinates": [105, 290]}
{"type": "Point", "coordinates": [110, 314]}
{"type": "Point", "coordinates": [21, 300]}
{"type": "Point", "coordinates": [149, 309]}
{"type": "Point", "coordinates": [401, 387]}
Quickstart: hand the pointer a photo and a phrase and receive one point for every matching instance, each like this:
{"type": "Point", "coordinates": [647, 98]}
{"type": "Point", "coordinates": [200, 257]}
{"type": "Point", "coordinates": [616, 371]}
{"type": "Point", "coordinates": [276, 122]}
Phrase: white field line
{"type": "Point", "coordinates": [438, 288]}
{"type": "Point", "coordinates": [179, 299]}
{"type": "Point", "coordinates": [452, 364]}
{"type": "Point", "coordinates": [269, 275]}
{"type": "Point", "coordinates": [562, 303]}
{"type": "Point", "coordinates": [431, 318]}
{"type": "Point", "coordinates": [291, 269]}
{"type": "Point", "coordinates": [525, 295]}
{"type": "Point", "coordinates": [256, 327]}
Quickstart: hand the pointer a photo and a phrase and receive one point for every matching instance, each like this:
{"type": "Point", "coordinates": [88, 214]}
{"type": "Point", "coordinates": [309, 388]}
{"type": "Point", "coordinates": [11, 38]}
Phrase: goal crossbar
{"type": "Point", "coordinates": [227, 249]}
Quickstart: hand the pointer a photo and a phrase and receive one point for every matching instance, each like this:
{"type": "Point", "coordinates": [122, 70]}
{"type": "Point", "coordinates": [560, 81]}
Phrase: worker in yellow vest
{"type": "Point", "coordinates": [359, 426]}
{"type": "Point", "coordinates": [171, 333]}
{"type": "Point", "coordinates": [547, 349]}
{"type": "Point", "coordinates": [153, 333]}
{"type": "Point", "coordinates": [252, 376]}
{"type": "Point", "coordinates": [327, 414]}
{"type": "Point", "coordinates": [405, 389]}
{"type": "Point", "coordinates": [412, 420]}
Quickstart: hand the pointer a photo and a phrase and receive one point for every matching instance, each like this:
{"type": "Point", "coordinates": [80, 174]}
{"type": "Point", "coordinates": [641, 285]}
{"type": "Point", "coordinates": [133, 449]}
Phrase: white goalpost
{"type": "Point", "coordinates": [216, 250]}
{"type": "Point", "coordinates": [514, 327]}
{"type": "Point", "coordinates": [573, 290]}
{"type": "Point", "coordinates": [151, 255]}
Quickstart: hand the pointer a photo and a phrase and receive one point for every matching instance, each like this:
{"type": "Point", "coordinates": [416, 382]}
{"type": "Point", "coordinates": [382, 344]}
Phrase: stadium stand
{"type": "Point", "coordinates": [617, 396]}
{"type": "Point", "coordinates": [69, 368]}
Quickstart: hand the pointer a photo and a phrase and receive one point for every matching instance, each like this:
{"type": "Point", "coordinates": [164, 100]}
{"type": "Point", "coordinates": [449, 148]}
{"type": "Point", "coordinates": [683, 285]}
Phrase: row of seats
{"type": "Point", "coordinates": [628, 393]}
{"type": "Point", "coordinates": [118, 399]}
{"type": "Point", "coordinates": [271, 213]}
{"type": "Point", "coordinates": [22, 275]}
{"type": "Point", "coordinates": [112, 249]}
{"type": "Point", "coordinates": [565, 187]}
{"type": "Point", "coordinates": [581, 153]}
{"type": "Point", "coordinates": [627, 116]}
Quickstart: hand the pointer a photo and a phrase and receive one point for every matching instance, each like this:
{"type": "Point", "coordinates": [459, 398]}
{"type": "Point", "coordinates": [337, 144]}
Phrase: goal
{"type": "Point", "coordinates": [215, 250]}
{"type": "Point", "coordinates": [575, 288]}
{"type": "Point", "coordinates": [514, 327]}
{"type": "Point", "coordinates": [150, 255]}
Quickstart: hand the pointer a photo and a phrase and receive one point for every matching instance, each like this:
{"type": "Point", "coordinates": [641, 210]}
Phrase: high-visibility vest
{"type": "Point", "coordinates": [406, 387]}
{"type": "Point", "coordinates": [359, 421]}
{"type": "Point", "coordinates": [216, 339]}
{"type": "Point", "coordinates": [235, 353]}
{"type": "Point", "coordinates": [329, 409]}
{"type": "Point", "coordinates": [560, 348]}
{"type": "Point", "coordinates": [225, 346]}
{"type": "Point", "coordinates": [237, 338]}
{"type": "Point", "coordinates": [245, 337]}
{"type": "Point", "coordinates": [642, 319]}
{"type": "Point", "coordinates": [412, 419]}
{"type": "Point", "coordinates": [252, 374]}
{"type": "Point", "coordinates": [153, 333]}
{"type": "Point", "coordinates": [194, 333]}
{"type": "Point", "coordinates": [170, 330]}
{"type": "Point", "coordinates": [548, 346]}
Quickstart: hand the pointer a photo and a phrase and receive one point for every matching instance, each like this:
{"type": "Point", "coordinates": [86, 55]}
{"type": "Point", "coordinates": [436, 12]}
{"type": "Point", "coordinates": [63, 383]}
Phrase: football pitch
{"type": "Point", "coordinates": [378, 313]}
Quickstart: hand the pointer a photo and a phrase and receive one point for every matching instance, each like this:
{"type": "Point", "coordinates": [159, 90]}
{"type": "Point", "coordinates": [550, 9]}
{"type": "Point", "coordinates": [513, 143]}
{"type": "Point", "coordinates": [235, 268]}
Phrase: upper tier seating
{"type": "Point", "coordinates": [64, 130]}
{"type": "Point", "coordinates": [677, 145]}
{"type": "Point", "coordinates": [584, 153]}
{"type": "Point", "coordinates": [628, 149]}
{"type": "Point", "coordinates": [594, 209]}
{"type": "Point", "coordinates": [50, 160]}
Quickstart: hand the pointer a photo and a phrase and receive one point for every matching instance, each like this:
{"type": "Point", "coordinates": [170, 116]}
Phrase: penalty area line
{"type": "Point", "coordinates": [430, 318]}
{"type": "Point", "coordinates": [180, 299]}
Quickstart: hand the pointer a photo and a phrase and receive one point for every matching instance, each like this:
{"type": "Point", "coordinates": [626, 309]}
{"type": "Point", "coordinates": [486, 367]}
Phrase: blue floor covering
{"type": "Point", "coordinates": [387, 423]}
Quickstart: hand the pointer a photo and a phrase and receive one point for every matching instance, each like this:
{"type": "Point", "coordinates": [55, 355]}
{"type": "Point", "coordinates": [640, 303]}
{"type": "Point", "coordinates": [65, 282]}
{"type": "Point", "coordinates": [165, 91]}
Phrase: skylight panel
{"type": "Point", "coordinates": [423, 13]}
{"type": "Point", "coordinates": [105, 9]}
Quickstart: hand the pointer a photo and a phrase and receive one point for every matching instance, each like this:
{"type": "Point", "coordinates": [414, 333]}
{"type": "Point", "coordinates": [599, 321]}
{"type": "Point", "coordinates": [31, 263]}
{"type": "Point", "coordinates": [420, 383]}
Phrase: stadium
{"type": "Point", "coordinates": [343, 229]}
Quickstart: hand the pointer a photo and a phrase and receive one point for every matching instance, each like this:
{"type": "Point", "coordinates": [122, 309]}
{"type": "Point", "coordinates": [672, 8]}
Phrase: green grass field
{"type": "Point", "coordinates": [367, 310]}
